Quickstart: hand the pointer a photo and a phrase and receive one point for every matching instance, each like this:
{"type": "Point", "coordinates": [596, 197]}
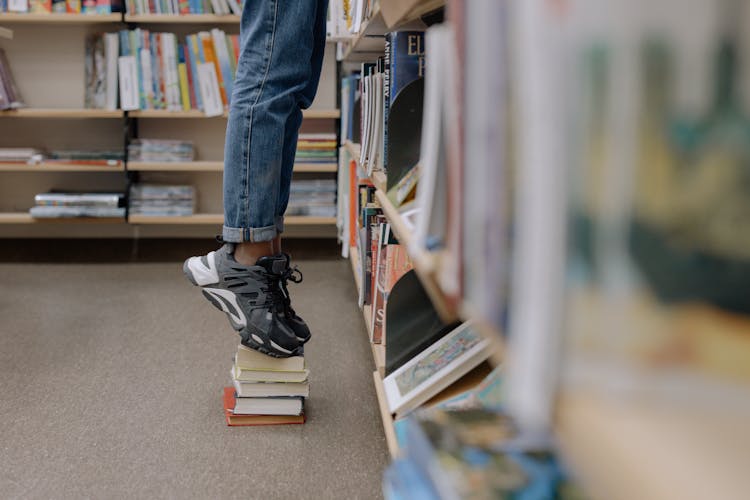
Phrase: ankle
{"type": "Point", "coordinates": [248, 253]}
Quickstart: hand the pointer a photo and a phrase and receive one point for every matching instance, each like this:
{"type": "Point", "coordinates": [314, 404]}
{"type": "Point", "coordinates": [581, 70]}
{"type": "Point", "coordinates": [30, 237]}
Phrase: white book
{"type": "Point", "coordinates": [365, 102]}
{"type": "Point", "coordinates": [111, 51]}
{"type": "Point", "coordinates": [18, 6]}
{"type": "Point", "coordinates": [128, 83]}
{"type": "Point", "coordinates": [147, 76]}
{"type": "Point", "coordinates": [377, 132]}
{"type": "Point", "coordinates": [171, 77]}
{"type": "Point", "coordinates": [268, 406]}
{"type": "Point", "coordinates": [219, 39]}
{"type": "Point", "coordinates": [271, 389]}
{"type": "Point", "coordinates": [435, 369]}
{"type": "Point", "coordinates": [209, 88]}
{"type": "Point", "coordinates": [216, 6]}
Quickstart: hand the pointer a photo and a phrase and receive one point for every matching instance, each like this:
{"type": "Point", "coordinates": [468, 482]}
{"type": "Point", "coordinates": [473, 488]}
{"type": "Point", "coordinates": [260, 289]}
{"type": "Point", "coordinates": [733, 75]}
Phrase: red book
{"type": "Point", "coordinates": [191, 84]}
{"type": "Point", "coordinates": [241, 420]}
{"type": "Point", "coordinates": [184, 7]}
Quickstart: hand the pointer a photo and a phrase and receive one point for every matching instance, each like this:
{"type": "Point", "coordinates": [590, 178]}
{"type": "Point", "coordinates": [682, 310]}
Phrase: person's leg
{"type": "Point", "coordinates": [244, 277]}
{"type": "Point", "coordinates": [294, 121]}
{"type": "Point", "coordinates": [273, 70]}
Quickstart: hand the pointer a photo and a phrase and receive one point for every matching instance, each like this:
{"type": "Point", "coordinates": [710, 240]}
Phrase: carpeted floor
{"type": "Point", "coordinates": [110, 387]}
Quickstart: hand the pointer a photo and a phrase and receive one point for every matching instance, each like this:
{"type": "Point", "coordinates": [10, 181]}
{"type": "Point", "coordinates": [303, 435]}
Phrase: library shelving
{"type": "Point", "coordinates": [55, 119]}
{"type": "Point", "coordinates": [25, 218]}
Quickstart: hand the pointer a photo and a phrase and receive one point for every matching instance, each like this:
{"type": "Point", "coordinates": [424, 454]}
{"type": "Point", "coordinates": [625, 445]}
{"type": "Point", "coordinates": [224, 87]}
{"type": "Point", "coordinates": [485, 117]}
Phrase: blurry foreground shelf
{"type": "Point", "coordinates": [58, 167]}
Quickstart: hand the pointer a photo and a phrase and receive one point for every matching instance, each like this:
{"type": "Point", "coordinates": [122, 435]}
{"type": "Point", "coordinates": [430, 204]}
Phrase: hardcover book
{"type": "Point", "coordinates": [234, 419]}
{"type": "Point", "coordinates": [435, 368]}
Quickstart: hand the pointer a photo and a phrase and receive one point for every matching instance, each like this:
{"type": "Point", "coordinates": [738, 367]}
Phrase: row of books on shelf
{"type": "Point", "coordinates": [33, 156]}
{"type": "Point", "coordinates": [152, 70]}
{"type": "Point", "coordinates": [92, 7]}
{"type": "Point", "coordinates": [311, 148]}
{"type": "Point", "coordinates": [381, 106]}
{"type": "Point", "coordinates": [405, 110]}
{"type": "Point", "coordinates": [184, 7]}
{"type": "Point", "coordinates": [266, 390]}
{"type": "Point", "coordinates": [315, 197]}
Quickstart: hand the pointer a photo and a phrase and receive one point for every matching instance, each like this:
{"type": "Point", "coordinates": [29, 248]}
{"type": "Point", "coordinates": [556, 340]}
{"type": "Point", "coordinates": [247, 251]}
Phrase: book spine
{"type": "Point", "coordinates": [222, 55]}
{"type": "Point", "coordinates": [184, 88]}
{"type": "Point", "coordinates": [194, 61]}
{"type": "Point", "coordinates": [18, 5]}
{"type": "Point", "coordinates": [146, 71]}
{"type": "Point", "coordinates": [103, 7]}
{"type": "Point", "coordinates": [128, 83]}
{"type": "Point", "coordinates": [210, 56]}
{"type": "Point", "coordinates": [184, 7]}
{"type": "Point", "coordinates": [11, 89]}
{"type": "Point", "coordinates": [209, 87]}
{"type": "Point", "coordinates": [111, 49]}
{"type": "Point", "coordinates": [58, 7]}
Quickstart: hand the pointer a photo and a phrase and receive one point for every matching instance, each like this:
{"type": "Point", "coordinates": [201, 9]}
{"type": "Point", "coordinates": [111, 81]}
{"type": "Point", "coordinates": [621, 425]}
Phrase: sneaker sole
{"type": "Point", "coordinates": [248, 340]}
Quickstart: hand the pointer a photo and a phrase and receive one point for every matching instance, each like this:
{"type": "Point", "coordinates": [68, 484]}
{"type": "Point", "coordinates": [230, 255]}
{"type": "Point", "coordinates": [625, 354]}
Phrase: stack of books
{"type": "Point", "coordinates": [266, 390]}
{"type": "Point", "coordinates": [160, 150]}
{"type": "Point", "coordinates": [316, 197]}
{"type": "Point", "coordinates": [162, 201]}
{"type": "Point", "coordinates": [316, 148]}
{"type": "Point", "coordinates": [19, 155]}
{"type": "Point", "coordinates": [58, 205]}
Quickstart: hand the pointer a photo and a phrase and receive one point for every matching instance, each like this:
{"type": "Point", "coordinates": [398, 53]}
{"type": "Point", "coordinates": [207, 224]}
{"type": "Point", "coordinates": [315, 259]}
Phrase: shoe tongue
{"type": "Point", "coordinates": [276, 264]}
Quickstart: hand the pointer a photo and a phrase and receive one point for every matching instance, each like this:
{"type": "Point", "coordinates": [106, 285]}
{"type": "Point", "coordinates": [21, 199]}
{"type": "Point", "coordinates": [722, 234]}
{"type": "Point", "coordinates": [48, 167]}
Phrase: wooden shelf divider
{"type": "Point", "coordinates": [58, 167]}
{"type": "Point", "coordinates": [71, 113]}
{"type": "Point", "coordinates": [385, 415]}
{"type": "Point", "coordinates": [55, 18]}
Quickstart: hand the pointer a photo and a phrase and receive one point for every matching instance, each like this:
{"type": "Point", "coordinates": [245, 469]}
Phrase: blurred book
{"type": "Point", "coordinates": [234, 418]}
{"type": "Point", "coordinates": [10, 96]}
{"type": "Point", "coordinates": [160, 150]}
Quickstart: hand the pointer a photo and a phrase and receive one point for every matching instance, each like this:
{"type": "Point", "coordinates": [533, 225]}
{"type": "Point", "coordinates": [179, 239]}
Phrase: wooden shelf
{"type": "Point", "coordinates": [14, 18]}
{"type": "Point", "coordinates": [60, 113]}
{"type": "Point", "coordinates": [651, 449]}
{"type": "Point", "coordinates": [58, 167]}
{"type": "Point", "coordinates": [217, 166]}
{"type": "Point", "coordinates": [385, 415]}
{"type": "Point", "coordinates": [310, 114]}
{"type": "Point", "coordinates": [26, 218]}
{"type": "Point", "coordinates": [369, 43]}
{"type": "Point", "coordinates": [199, 219]}
{"type": "Point", "coordinates": [182, 19]}
{"type": "Point", "coordinates": [398, 12]}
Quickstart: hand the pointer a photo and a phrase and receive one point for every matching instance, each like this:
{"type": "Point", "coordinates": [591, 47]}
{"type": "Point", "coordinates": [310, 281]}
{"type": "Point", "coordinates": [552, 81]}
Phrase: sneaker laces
{"type": "Point", "coordinates": [294, 275]}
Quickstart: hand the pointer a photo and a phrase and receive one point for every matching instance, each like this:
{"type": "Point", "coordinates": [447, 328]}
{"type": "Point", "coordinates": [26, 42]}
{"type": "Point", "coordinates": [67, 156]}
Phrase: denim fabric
{"type": "Point", "coordinates": [281, 54]}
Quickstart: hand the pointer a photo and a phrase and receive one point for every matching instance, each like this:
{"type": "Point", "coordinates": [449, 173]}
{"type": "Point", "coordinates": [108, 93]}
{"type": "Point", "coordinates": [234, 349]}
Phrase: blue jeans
{"type": "Point", "coordinates": [281, 54]}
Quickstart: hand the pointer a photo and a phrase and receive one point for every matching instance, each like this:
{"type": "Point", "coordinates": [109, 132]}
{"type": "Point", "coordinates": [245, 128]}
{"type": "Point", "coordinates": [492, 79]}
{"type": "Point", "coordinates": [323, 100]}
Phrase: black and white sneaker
{"type": "Point", "coordinates": [250, 296]}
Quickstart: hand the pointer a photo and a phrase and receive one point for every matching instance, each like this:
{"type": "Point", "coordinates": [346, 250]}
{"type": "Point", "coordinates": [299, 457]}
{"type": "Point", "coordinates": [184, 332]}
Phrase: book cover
{"type": "Point", "coordinates": [128, 83]}
{"type": "Point", "coordinates": [435, 368]}
{"type": "Point", "coordinates": [253, 360]}
{"type": "Point", "coordinates": [271, 389]}
{"type": "Point", "coordinates": [210, 91]}
{"type": "Point", "coordinates": [224, 66]}
{"type": "Point", "coordinates": [184, 83]}
{"type": "Point", "coordinates": [210, 57]}
{"type": "Point", "coordinates": [40, 6]}
{"type": "Point", "coordinates": [73, 6]}
{"type": "Point", "coordinates": [233, 419]}
{"type": "Point", "coordinates": [18, 6]}
{"type": "Point", "coordinates": [58, 7]}
{"type": "Point", "coordinates": [195, 60]}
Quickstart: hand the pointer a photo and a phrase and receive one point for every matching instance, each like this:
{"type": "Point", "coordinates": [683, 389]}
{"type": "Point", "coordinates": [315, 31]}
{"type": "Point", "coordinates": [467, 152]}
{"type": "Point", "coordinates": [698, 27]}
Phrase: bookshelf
{"type": "Point", "coordinates": [25, 218]}
{"type": "Point", "coordinates": [58, 120]}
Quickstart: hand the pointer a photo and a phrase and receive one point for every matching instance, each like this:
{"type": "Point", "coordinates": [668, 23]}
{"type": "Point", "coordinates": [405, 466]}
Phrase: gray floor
{"type": "Point", "coordinates": [110, 387]}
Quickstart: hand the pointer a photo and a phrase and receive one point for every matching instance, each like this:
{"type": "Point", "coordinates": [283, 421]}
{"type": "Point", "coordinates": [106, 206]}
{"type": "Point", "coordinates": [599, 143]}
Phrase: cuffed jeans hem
{"type": "Point", "coordinates": [252, 234]}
